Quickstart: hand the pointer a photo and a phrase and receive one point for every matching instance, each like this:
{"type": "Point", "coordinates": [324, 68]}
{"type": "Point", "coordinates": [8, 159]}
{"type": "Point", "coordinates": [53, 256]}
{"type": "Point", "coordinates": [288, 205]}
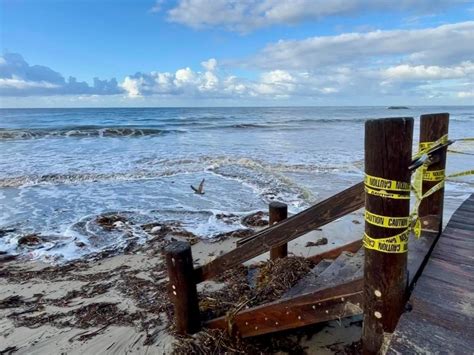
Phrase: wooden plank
{"type": "Point", "coordinates": [418, 248]}
{"type": "Point", "coordinates": [320, 306]}
{"type": "Point", "coordinates": [442, 300]}
{"type": "Point", "coordinates": [421, 336]}
{"type": "Point", "coordinates": [334, 253]}
{"type": "Point", "coordinates": [345, 268]}
{"type": "Point", "coordinates": [314, 217]}
{"type": "Point", "coordinates": [273, 312]}
{"type": "Point", "coordinates": [418, 253]}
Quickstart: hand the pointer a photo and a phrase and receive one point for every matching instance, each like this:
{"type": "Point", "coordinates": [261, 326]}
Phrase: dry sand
{"type": "Point", "coordinates": [112, 305]}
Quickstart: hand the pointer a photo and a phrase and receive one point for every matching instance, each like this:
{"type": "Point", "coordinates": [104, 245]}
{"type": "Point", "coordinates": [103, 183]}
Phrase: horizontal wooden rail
{"type": "Point", "coordinates": [314, 217]}
{"type": "Point", "coordinates": [319, 306]}
{"type": "Point", "coordinates": [335, 252]}
{"type": "Point", "coordinates": [322, 213]}
{"type": "Point", "coordinates": [343, 300]}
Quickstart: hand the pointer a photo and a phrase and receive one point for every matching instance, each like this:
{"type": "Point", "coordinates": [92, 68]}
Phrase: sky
{"type": "Point", "coordinates": [153, 53]}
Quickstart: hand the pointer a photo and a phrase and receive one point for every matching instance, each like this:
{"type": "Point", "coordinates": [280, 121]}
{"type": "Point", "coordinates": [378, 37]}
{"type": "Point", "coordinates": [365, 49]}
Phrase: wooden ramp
{"type": "Point", "coordinates": [332, 290]}
{"type": "Point", "coordinates": [442, 316]}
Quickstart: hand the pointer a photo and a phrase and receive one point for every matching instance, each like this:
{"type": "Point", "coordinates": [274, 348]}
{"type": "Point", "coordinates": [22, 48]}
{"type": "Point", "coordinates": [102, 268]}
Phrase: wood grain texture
{"type": "Point", "coordinates": [337, 302]}
{"type": "Point", "coordinates": [345, 268]}
{"type": "Point", "coordinates": [442, 317]}
{"type": "Point", "coordinates": [182, 287]}
{"type": "Point", "coordinates": [433, 127]}
{"type": "Point", "coordinates": [297, 301]}
{"type": "Point", "coordinates": [388, 151]}
{"type": "Point", "coordinates": [277, 212]}
{"type": "Point", "coordinates": [335, 252]}
{"type": "Point", "coordinates": [314, 217]}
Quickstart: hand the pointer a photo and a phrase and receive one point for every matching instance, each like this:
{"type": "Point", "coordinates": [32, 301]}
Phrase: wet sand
{"type": "Point", "coordinates": [117, 304]}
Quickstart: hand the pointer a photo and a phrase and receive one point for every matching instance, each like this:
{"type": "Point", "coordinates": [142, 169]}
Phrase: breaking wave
{"type": "Point", "coordinates": [240, 168]}
{"type": "Point", "coordinates": [83, 131]}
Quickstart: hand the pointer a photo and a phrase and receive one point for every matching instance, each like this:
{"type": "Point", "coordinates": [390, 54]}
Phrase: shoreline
{"type": "Point", "coordinates": [118, 303]}
{"type": "Point", "coordinates": [59, 309]}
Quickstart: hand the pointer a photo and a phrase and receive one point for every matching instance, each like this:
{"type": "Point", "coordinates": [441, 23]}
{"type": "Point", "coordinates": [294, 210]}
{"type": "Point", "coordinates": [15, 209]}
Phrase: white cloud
{"type": "Point", "coordinates": [425, 63]}
{"type": "Point", "coordinates": [445, 44]}
{"type": "Point", "coordinates": [19, 84]}
{"type": "Point", "coordinates": [465, 94]}
{"type": "Point", "coordinates": [248, 15]}
{"type": "Point", "coordinates": [276, 82]}
{"type": "Point", "coordinates": [184, 77]}
{"type": "Point", "coordinates": [405, 72]}
{"type": "Point", "coordinates": [211, 84]}
{"type": "Point", "coordinates": [132, 86]}
{"type": "Point", "coordinates": [210, 65]}
{"type": "Point", "coordinates": [184, 81]}
{"type": "Point", "coordinates": [18, 78]}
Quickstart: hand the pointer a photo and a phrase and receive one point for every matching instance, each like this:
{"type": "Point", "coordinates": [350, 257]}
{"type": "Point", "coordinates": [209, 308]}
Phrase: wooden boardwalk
{"type": "Point", "coordinates": [442, 315]}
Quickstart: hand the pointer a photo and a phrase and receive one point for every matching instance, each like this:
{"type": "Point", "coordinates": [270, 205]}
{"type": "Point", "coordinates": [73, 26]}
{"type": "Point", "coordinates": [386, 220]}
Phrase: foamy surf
{"type": "Point", "coordinates": [83, 132]}
{"type": "Point", "coordinates": [63, 169]}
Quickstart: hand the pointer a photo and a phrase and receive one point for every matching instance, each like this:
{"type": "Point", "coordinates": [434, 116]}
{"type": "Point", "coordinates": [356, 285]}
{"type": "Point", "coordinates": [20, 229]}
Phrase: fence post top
{"type": "Point", "coordinates": [435, 115]}
{"type": "Point", "coordinates": [177, 247]}
{"type": "Point", "coordinates": [276, 204]}
{"type": "Point", "coordinates": [388, 119]}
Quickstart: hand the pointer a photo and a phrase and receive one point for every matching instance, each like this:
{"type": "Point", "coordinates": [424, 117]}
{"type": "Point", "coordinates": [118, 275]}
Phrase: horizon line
{"type": "Point", "coordinates": [212, 107]}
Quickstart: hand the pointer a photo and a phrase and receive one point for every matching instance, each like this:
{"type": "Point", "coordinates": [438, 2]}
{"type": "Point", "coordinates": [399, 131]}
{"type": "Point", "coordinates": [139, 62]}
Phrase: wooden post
{"type": "Point", "coordinates": [433, 127]}
{"type": "Point", "coordinates": [182, 287]}
{"type": "Point", "coordinates": [388, 150]}
{"type": "Point", "coordinates": [278, 212]}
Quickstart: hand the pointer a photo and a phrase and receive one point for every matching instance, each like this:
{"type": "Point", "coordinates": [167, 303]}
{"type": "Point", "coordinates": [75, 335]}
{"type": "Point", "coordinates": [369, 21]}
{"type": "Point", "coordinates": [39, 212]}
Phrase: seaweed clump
{"type": "Point", "coordinates": [253, 285]}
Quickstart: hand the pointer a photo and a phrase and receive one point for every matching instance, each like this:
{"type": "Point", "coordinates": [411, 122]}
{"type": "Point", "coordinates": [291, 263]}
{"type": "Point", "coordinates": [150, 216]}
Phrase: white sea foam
{"type": "Point", "coordinates": [60, 169]}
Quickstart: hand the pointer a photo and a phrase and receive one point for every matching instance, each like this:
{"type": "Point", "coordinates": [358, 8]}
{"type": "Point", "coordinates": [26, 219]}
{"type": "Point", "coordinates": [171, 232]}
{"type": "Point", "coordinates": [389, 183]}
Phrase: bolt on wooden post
{"type": "Point", "coordinates": [388, 151]}
{"type": "Point", "coordinates": [182, 287]}
{"type": "Point", "coordinates": [432, 128]}
{"type": "Point", "coordinates": [278, 212]}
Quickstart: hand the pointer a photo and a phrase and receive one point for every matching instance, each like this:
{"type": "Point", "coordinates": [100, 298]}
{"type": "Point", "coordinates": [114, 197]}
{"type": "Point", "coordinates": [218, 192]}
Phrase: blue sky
{"type": "Point", "coordinates": [229, 52]}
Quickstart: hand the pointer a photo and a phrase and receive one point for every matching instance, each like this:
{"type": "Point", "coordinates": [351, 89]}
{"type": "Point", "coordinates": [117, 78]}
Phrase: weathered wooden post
{"type": "Point", "coordinates": [278, 212]}
{"type": "Point", "coordinates": [182, 287]}
{"type": "Point", "coordinates": [388, 150]}
{"type": "Point", "coordinates": [432, 128]}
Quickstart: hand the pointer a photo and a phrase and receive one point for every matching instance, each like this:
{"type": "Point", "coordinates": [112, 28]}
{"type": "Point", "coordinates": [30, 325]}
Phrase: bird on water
{"type": "Point", "coordinates": [200, 189]}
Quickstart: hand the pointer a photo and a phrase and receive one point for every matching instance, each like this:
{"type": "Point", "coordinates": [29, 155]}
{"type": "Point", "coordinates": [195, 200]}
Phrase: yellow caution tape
{"type": "Point", "coordinates": [417, 183]}
{"type": "Point", "coordinates": [385, 184]}
{"type": "Point", "coordinates": [387, 221]}
{"type": "Point", "coordinates": [433, 175]}
{"type": "Point", "coordinates": [464, 139]}
{"type": "Point", "coordinates": [423, 174]}
{"type": "Point", "coordinates": [462, 173]}
{"type": "Point", "coordinates": [459, 152]}
{"type": "Point", "coordinates": [395, 244]}
{"type": "Point", "coordinates": [385, 188]}
{"type": "Point", "coordinates": [425, 146]}
{"type": "Point", "coordinates": [386, 194]}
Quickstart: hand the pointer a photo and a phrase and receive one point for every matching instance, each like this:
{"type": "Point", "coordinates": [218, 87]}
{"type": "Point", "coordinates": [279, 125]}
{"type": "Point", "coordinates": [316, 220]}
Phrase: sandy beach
{"type": "Point", "coordinates": [117, 304]}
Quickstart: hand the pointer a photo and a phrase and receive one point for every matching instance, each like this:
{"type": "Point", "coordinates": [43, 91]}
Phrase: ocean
{"type": "Point", "coordinates": [61, 169]}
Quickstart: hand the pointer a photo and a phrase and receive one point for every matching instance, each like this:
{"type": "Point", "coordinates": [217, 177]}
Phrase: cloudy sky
{"type": "Point", "coordinates": [89, 53]}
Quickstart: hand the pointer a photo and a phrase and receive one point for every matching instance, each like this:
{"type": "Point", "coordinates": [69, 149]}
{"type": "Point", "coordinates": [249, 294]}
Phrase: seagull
{"type": "Point", "coordinates": [200, 189]}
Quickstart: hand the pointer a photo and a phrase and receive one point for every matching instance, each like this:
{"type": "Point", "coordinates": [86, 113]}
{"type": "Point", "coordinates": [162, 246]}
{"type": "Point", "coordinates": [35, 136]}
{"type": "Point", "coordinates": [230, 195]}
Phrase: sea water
{"type": "Point", "coordinates": [62, 168]}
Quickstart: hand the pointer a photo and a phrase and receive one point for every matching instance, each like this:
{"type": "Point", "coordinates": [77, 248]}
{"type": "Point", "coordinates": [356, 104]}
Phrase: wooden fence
{"type": "Point", "coordinates": [386, 284]}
